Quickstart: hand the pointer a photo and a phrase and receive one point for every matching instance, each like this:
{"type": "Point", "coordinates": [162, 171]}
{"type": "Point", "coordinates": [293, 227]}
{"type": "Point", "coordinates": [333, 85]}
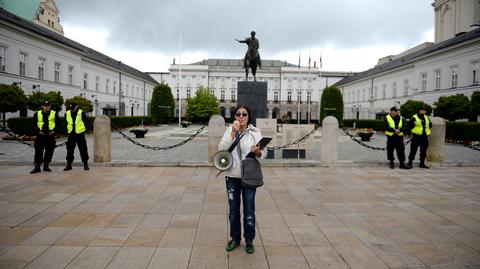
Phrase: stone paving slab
{"type": "Point", "coordinates": [171, 217]}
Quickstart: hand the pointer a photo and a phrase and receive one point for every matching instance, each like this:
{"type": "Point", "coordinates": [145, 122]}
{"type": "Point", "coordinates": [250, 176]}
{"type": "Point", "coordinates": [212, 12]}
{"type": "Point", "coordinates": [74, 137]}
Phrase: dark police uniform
{"type": "Point", "coordinates": [76, 128]}
{"type": "Point", "coordinates": [420, 126]}
{"type": "Point", "coordinates": [45, 125]}
{"type": "Point", "coordinates": [395, 141]}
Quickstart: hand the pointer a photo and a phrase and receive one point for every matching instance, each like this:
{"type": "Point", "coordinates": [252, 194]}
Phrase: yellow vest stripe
{"type": "Point", "coordinates": [418, 129]}
{"type": "Point", "coordinates": [391, 123]}
{"type": "Point", "coordinates": [79, 124]}
{"type": "Point", "coordinates": [51, 120]}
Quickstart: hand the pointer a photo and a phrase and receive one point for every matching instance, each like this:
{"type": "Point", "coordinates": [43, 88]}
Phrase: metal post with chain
{"type": "Point", "coordinates": [19, 140]}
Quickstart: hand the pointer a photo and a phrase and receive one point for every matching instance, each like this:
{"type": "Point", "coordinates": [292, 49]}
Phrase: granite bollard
{"type": "Point", "coordinates": [216, 129]}
{"type": "Point", "coordinates": [329, 148]}
{"type": "Point", "coordinates": [436, 140]}
{"type": "Point", "coordinates": [102, 139]}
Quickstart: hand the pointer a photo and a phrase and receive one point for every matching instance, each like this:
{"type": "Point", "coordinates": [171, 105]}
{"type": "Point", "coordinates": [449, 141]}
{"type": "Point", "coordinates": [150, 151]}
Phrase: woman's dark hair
{"type": "Point", "coordinates": [248, 111]}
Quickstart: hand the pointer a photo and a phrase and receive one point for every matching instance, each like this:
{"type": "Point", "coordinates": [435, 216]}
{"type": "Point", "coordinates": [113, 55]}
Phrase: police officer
{"type": "Point", "coordinates": [395, 126]}
{"type": "Point", "coordinates": [45, 123]}
{"type": "Point", "coordinates": [420, 126]}
{"type": "Point", "coordinates": [76, 120]}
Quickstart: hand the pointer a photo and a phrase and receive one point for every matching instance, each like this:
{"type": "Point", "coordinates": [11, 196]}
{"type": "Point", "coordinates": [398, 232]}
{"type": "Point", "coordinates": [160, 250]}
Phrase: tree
{"type": "Point", "coordinates": [162, 105]}
{"type": "Point", "coordinates": [83, 103]}
{"type": "Point", "coordinates": [331, 104]}
{"type": "Point", "coordinates": [201, 107]}
{"type": "Point", "coordinates": [410, 108]}
{"type": "Point", "coordinates": [452, 107]}
{"type": "Point", "coordinates": [12, 99]}
{"type": "Point", "coordinates": [475, 105]}
{"type": "Point", "coordinates": [36, 99]}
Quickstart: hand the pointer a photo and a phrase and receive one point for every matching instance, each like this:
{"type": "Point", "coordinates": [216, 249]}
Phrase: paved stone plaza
{"type": "Point", "coordinates": [163, 217]}
{"type": "Point", "coordinates": [195, 151]}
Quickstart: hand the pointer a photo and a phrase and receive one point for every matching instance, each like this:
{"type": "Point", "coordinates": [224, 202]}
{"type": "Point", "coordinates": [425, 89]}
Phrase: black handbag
{"type": "Point", "coordinates": [252, 176]}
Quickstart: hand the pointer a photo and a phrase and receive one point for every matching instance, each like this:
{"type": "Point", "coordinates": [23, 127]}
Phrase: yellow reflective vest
{"type": "Point", "coordinates": [79, 124]}
{"type": "Point", "coordinates": [51, 120]}
{"type": "Point", "coordinates": [418, 129]}
{"type": "Point", "coordinates": [391, 123]}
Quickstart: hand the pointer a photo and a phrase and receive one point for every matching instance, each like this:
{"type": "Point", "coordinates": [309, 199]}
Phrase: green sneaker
{"type": "Point", "coordinates": [232, 245]}
{"type": "Point", "coordinates": [249, 248]}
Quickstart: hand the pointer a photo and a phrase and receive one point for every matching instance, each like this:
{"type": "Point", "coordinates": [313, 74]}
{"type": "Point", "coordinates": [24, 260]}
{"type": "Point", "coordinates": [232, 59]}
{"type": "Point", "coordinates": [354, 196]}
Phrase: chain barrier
{"type": "Point", "coordinates": [17, 138]}
{"type": "Point", "coordinates": [467, 145]}
{"type": "Point", "coordinates": [361, 143]}
{"type": "Point", "coordinates": [298, 141]}
{"type": "Point", "coordinates": [159, 148]}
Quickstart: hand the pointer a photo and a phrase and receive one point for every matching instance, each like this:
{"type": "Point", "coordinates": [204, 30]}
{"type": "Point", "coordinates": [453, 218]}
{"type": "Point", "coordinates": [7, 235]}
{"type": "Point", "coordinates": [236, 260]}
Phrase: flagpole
{"type": "Point", "coordinates": [180, 86]}
{"type": "Point", "coordinates": [298, 104]}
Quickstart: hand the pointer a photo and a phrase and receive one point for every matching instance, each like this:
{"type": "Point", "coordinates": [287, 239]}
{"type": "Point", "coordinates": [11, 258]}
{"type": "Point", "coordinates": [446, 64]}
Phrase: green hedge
{"type": "Point", "coordinates": [464, 131]}
{"type": "Point", "coordinates": [124, 122]}
{"type": "Point", "coordinates": [24, 125]}
{"type": "Point", "coordinates": [376, 125]}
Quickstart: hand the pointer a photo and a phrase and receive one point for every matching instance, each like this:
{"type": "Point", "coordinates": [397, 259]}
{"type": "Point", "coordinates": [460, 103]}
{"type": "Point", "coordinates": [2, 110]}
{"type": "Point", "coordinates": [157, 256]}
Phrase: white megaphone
{"type": "Point", "coordinates": [223, 160]}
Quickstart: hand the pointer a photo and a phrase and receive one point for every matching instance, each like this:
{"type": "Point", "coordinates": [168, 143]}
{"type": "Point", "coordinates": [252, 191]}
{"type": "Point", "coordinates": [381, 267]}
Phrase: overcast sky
{"type": "Point", "coordinates": [349, 34]}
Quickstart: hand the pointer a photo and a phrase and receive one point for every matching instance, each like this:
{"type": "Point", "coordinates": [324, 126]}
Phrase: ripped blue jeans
{"type": "Point", "coordinates": [234, 191]}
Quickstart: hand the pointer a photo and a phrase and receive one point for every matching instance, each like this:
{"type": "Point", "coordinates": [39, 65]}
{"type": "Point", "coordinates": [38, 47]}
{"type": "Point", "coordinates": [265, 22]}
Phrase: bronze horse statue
{"type": "Point", "coordinates": [252, 57]}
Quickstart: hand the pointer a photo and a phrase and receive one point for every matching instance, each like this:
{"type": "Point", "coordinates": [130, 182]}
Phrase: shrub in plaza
{"type": "Point", "coordinates": [453, 107]}
{"type": "Point", "coordinates": [12, 99]}
{"type": "Point", "coordinates": [36, 99]}
{"type": "Point", "coordinates": [410, 108]}
{"type": "Point", "coordinates": [475, 106]}
{"type": "Point", "coordinates": [462, 131]}
{"type": "Point", "coordinates": [201, 107]}
{"type": "Point", "coordinates": [83, 103]}
{"type": "Point", "coordinates": [124, 122]}
{"type": "Point", "coordinates": [162, 105]}
{"type": "Point", "coordinates": [376, 125]}
{"type": "Point", "coordinates": [331, 104]}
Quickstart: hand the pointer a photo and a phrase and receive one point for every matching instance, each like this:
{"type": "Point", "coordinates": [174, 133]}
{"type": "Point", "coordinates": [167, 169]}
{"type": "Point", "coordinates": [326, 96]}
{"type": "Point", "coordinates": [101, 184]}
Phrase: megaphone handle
{"type": "Point", "coordinates": [219, 172]}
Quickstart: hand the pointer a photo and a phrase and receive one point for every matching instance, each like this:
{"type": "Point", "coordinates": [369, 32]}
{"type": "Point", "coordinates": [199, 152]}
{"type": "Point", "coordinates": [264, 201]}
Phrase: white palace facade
{"type": "Point", "coordinates": [290, 89]}
{"type": "Point", "coordinates": [39, 59]}
{"type": "Point", "coordinates": [449, 66]}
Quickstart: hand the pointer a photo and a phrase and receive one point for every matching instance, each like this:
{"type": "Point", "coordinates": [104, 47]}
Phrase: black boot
{"type": "Point", "coordinates": [85, 166]}
{"type": "Point", "coordinates": [403, 166]}
{"type": "Point", "coordinates": [392, 166]}
{"type": "Point", "coordinates": [36, 169]}
{"type": "Point", "coordinates": [46, 168]}
{"type": "Point", "coordinates": [68, 167]}
{"type": "Point", "coordinates": [422, 165]}
{"type": "Point", "coordinates": [409, 165]}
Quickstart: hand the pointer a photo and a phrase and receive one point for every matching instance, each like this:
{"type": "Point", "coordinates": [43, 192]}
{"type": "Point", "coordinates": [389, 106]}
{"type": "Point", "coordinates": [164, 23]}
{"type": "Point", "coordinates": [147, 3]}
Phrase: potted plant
{"type": "Point", "coordinates": [185, 123]}
{"type": "Point", "coordinates": [139, 131]}
{"type": "Point", "coordinates": [365, 133]}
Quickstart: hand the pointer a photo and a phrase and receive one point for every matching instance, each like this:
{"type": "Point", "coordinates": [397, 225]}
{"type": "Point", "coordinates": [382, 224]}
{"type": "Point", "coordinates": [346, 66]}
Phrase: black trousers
{"type": "Point", "coordinates": [72, 142]}
{"type": "Point", "coordinates": [44, 143]}
{"type": "Point", "coordinates": [418, 140]}
{"type": "Point", "coordinates": [395, 142]}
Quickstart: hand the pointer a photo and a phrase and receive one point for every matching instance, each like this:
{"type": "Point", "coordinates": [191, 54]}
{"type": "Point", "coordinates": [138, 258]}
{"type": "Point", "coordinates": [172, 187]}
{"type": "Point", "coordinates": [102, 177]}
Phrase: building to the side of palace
{"type": "Point", "coordinates": [37, 57]}
{"type": "Point", "coordinates": [449, 66]}
{"type": "Point", "coordinates": [290, 89]}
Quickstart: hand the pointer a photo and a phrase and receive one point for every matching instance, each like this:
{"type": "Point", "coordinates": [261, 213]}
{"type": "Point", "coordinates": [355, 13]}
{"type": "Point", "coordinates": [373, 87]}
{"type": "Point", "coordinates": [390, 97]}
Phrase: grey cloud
{"type": "Point", "coordinates": [212, 25]}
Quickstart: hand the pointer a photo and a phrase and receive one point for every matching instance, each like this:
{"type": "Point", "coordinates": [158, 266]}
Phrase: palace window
{"type": "Point", "coordinates": [405, 87]}
{"type": "Point", "coordinates": [423, 79]}
{"type": "Point", "coordinates": [275, 96]}
{"type": "Point", "coordinates": [309, 96]}
{"type": "Point", "coordinates": [97, 83]}
{"type": "Point", "coordinates": [233, 93]}
{"type": "Point", "coordinates": [299, 95]}
{"type": "Point", "coordinates": [85, 81]}
{"type": "Point", "coordinates": [70, 75]}
{"type": "Point", "coordinates": [289, 96]}
{"type": "Point", "coordinates": [3, 58]}
{"type": "Point", "coordinates": [438, 75]}
{"type": "Point", "coordinates": [23, 64]}
{"type": "Point", "coordinates": [107, 85]}
{"type": "Point", "coordinates": [454, 77]}
{"type": "Point", "coordinates": [57, 72]}
{"type": "Point", "coordinates": [476, 73]}
{"type": "Point", "coordinates": [222, 95]}
{"type": "Point", "coordinates": [394, 86]}
{"type": "Point", "coordinates": [384, 91]}
{"type": "Point", "coordinates": [41, 68]}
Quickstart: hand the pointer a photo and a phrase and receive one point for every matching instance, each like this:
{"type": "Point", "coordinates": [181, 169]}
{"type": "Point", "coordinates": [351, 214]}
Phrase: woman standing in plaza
{"type": "Point", "coordinates": [249, 136]}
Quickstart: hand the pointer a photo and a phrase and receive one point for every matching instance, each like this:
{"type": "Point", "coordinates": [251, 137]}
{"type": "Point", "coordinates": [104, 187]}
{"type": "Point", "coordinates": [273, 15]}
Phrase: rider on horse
{"type": "Point", "coordinates": [252, 57]}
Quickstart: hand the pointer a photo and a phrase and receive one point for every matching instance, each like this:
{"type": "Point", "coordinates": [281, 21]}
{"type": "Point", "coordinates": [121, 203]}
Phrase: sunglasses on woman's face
{"type": "Point", "coordinates": [244, 114]}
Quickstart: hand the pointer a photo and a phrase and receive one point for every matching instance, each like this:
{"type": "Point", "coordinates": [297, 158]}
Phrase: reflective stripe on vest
{"type": "Point", "coordinates": [418, 129]}
{"type": "Point", "coordinates": [79, 125]}
{"type": "Point", "coordinates": [391, 123]}
{"type": "Point", "coordinates": [51, 120]}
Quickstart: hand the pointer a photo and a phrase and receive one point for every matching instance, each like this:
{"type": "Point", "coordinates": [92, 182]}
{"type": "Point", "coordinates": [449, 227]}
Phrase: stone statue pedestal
{"type": "Point", "coordinates": [253, 94]}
